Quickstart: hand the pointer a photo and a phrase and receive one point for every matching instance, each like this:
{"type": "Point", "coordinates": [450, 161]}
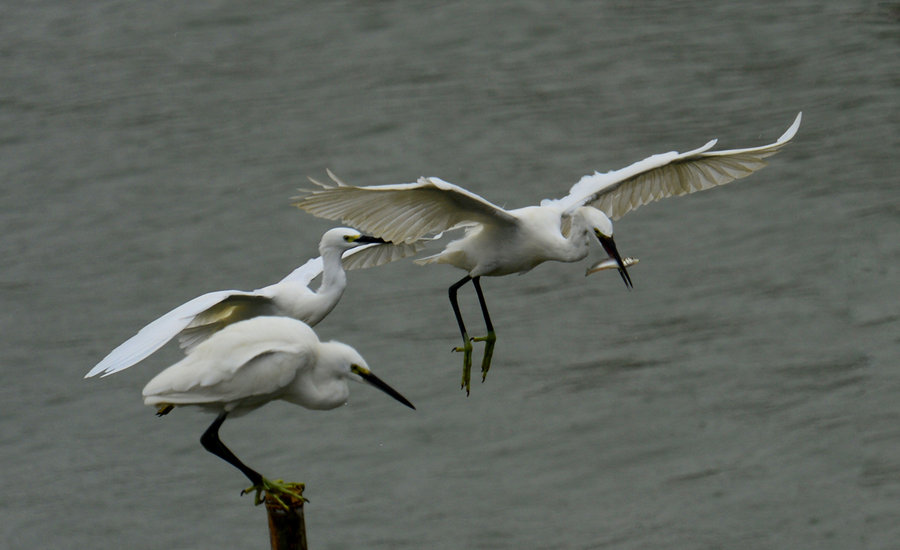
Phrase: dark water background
{"type": "Point", "coordinates": [746, 394]}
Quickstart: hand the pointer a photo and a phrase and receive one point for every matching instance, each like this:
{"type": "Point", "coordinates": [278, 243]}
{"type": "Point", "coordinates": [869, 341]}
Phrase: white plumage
{"type": "Point", "coordinates": [499, 241]}
{"type": "Point", "coordinates": [195, 320]}
{"type": "Point", "coordinates": [250, 363]}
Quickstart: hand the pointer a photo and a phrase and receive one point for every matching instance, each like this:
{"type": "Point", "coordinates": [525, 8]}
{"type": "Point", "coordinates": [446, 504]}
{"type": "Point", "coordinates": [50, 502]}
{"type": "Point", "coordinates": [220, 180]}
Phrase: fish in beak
{"type": "Point", "coordinates": [610, 263]}
{"type": "Point", "coordinates": [610, 247]}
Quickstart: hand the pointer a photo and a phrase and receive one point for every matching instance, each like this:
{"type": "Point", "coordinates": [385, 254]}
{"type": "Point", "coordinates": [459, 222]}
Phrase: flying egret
{"type": "Point", "coordinates": [197, 319]}
{"type": "Point", "coordinates": [500, 242]}
{"type": "Point", "coordinates": [249, 363]}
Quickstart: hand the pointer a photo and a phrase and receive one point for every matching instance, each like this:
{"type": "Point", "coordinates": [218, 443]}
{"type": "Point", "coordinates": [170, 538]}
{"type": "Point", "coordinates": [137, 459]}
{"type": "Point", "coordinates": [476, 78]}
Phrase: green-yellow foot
{"type": "Point", "coordinates": [466, 348]}
{"type": "Point", "coordinates": [489, 342]}
{"type": "Point", "coordinates": [276, 489]}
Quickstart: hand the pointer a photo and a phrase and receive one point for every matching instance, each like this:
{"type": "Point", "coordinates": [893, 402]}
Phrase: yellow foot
{"type": "Point", "coordinates": [276, 489]}
{"type": "Point", "coordinates": [489, 342]}
{"type": "Point", "coordinates": [466, 348]}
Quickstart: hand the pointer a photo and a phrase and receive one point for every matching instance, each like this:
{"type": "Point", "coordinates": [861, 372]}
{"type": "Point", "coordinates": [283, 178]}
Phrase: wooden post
{"type": "Point", "coordinates": [287, 528]}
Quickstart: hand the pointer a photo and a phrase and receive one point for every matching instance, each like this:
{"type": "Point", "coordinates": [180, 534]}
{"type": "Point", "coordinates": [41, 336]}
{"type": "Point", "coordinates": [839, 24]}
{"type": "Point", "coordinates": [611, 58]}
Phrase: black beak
{"type": "Point", "coordinates": [610, 247]}
{"type": "Point", "coordinates": [367, 375]}
{"type": "Point", "coordinates": [367, 239]}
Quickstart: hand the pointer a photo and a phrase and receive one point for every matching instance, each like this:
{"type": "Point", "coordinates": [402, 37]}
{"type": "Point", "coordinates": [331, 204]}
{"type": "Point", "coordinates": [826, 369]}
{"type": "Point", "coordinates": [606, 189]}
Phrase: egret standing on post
{"type": "Point", "coordinates": [197, 319]}
{"type": "Point", "coordinates": [500, 242]}
{"type": "Point", "coordinates": [249, 363]}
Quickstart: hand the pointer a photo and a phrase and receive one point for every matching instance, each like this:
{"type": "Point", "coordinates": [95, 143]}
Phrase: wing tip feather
{"type": "Point", "coordinates": [792, 129]}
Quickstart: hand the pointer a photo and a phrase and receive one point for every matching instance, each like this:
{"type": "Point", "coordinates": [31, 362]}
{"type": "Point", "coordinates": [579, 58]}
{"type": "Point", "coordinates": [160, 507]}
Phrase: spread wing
{"type": "Point", "coordinates": [361, 257]}
{"type": "Point", "coordinates": [237, 307]}
{"type": "Point", "coordinates": [669, 174]}
{"type": "Point", "coordinates": [196, 320]}
{"type": "Point", "coordinates": [372, 255]}
{"type": "Point", "coordinates": [157, 333]}
{"type": "Point", "coordinates": [402, 213]}
{"type": "Point", "coordinates": [305, 273]}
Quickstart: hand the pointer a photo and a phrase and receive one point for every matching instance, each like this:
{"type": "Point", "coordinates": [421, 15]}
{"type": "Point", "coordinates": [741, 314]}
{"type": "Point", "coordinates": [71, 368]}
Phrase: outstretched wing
{"type": "Point", "coordinates": [361, 257]}
{"type": "Point", "coordinates": [373, 255]}
{"type": "Point", "coordinates": [196, 320]}
{"type": "Point", "coordinates": [305, 273]}
{"type": "Point", "coordinates": [240, 306]}
{"type": "Point", "coordinates": [669, 174]}
{"type": "Point", "coordinates": [402, 213]}
{"type": "Point", "coordinates": [157, 333]}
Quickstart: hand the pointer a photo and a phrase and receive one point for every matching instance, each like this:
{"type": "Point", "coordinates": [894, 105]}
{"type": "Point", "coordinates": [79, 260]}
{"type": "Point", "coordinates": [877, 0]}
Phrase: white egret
{"type": "Point", "coordinates": [197, 319]}
{"type": "Point", "coordinates": [249, 363]}
{"type": "Point", "coordinates": [500, 242]}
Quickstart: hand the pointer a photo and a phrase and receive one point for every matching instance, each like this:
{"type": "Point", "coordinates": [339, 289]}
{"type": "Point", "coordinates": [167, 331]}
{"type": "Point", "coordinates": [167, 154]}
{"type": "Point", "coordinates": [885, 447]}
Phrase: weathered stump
{"type": "Point", "coordinates": [287, 528]}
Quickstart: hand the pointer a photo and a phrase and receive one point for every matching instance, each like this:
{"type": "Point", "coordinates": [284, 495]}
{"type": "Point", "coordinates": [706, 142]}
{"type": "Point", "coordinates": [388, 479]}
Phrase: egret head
{"type": "Point", "coordinates": [349, 364]}
{"type": "Point", "coordinates": [597, 220]}
{"type": "Point", "coordinates": [345, 238]}
{"type": "Point", "coordinates": [603, 230]}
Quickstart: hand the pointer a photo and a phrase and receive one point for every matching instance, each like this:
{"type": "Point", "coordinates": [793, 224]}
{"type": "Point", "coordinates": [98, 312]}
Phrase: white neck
{"type": "Point", "coordinates": [579, 239]}
{"type": "Point", "coordinates": [334, 278]}
{"type": "Point", "coordinates": [322, 387]}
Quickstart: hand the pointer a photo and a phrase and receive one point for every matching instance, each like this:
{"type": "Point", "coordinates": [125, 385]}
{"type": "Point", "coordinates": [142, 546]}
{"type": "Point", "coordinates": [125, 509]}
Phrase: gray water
{"type": "Point", "coordinates": [745, 394]}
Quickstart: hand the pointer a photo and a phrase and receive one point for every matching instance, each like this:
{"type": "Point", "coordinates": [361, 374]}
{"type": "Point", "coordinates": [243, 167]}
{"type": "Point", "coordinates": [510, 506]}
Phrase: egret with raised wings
{"type": "Point", "coordinates": [195, 320]}
{"type": "Point", "coordinates": [500, 242]}
{"type": "Point", "coordinates": [249, 363]}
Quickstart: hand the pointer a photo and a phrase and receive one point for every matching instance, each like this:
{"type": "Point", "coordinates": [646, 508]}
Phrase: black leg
{"type": "Point", "coordinates": [211, 442]}
{"type": "Point", "coordinates": [455, 304]}
{"type": "Point", "coordinates": [466, 348]}
{"type": "Point", "coordinates": [491, 337]}
{"type": "Point", "coordinates": [476, 282]}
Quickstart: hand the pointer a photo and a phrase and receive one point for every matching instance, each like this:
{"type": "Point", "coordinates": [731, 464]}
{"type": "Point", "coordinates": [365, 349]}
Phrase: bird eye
{"type": "Point", "coordinates": [349, 238]}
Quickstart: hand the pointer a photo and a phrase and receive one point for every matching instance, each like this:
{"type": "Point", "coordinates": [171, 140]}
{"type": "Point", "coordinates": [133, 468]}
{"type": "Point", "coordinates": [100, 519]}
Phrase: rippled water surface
{"type": "Point", "coordinates": [743, 395]}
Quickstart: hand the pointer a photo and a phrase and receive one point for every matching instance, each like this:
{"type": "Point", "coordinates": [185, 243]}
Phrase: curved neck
{"type": "Point", "coordinates": [578, 239]}
{"type": "Point", "coordinates": [334, 279]}
{"type": "Point", "coordinates": [322, 387]}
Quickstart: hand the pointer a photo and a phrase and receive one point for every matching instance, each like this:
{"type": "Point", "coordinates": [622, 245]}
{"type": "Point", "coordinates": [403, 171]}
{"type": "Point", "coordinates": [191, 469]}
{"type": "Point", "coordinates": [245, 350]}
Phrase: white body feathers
{"type": "Point", "coordinates": [195, 320]}
{"type": "Point", "coordinates": [250, 363]}
{"type": "Point", "coordinates": [500, 241]}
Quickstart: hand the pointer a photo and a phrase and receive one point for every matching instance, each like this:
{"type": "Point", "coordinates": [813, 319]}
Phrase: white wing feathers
{"type": "Point", "coordinates": [227, 361]}
{"type": "Point", "coordinates": [361, 257]}
{"type": "Point", "coordinates": [402, 213]}
{"type": "Point", "coordinates": [306, 272]}
{"type": "Point", "coordinates": [373, 255]}
{"type": "Point", "coordinates": [157, 333]}
{"type": "Point", "coordinates": [669, 174]}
